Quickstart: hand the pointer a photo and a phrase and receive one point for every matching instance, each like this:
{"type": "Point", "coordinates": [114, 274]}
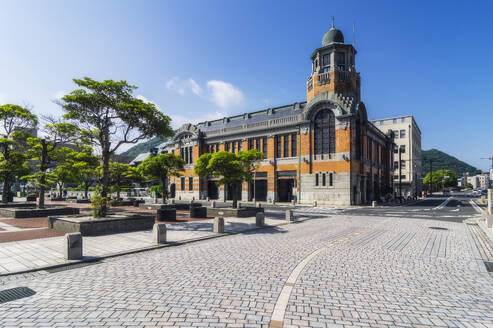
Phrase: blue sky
{"type": "Point", "coordinates": [200, 60]}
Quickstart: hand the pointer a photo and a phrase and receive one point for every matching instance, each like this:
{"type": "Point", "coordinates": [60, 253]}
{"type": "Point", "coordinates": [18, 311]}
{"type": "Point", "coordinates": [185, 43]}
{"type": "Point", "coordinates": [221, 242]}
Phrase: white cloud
{"type": "Point", "coordinates": [144, 99]}
{"type": "Point", "coordinates": [178, 120]}
{"type": "Point", "coordinates": [224, 94]}
{"type": "Point", "coordinates": [181, 86]}
{"type": "Point", "coordinates": [59, 94]}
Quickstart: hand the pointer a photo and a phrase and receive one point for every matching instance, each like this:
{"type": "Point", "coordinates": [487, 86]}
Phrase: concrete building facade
{"type": "Point", "coordinates": [324, 149]}
{"type": "Point", "coordinates": [407, 138]}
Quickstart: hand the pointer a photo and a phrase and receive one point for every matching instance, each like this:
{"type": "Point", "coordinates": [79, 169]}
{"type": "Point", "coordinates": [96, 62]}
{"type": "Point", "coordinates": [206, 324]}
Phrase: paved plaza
{"type": "Point", "coordinates": [342, 270]}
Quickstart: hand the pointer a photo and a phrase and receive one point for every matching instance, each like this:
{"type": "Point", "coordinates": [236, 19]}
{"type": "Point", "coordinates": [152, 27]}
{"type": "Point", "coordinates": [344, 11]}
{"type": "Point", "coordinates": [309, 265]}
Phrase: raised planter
{"type": "Point", "coordinates": [242, 212]}
{"type": "Point", "coordinates": [31, 198]}
{"type": "Point", "coordinates": [123, 203]}
{"type": "Point", "coordinates": [166, 213]}
{"type": "Point", "coordinates": [18, 204]}
{"type": "Point", "coordinates": [137, 202]}
{"type": "Point", "coordinates": [198, 212]}
{"type": "Point", "coordinates": [185, 206]}
{"type": "Point", "coordinates": [78, 201]}
{"type": "Point", "coordinates": [149, 206]}
{"type": "Point", "coordinates": [33, 212]}
{"type": "Point", "coordinates": [89, 226]}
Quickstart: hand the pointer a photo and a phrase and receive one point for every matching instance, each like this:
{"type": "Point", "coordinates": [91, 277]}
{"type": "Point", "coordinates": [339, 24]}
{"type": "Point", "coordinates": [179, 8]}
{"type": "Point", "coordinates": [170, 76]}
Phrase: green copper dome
{"type": "Point", "coordinates": [332, 36]}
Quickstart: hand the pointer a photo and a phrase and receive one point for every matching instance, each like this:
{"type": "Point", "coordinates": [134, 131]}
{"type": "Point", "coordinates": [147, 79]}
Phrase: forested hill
{"type": "Point", "coordinates": [441, 160]}
{"type": "Point", "coordinates": [143, 147]}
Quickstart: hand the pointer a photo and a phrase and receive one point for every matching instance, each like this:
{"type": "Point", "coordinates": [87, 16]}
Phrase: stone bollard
{"type": "Point", "coordinates": [259, 205]}
{"type": "Point", "coordinates": [489, 221]}
{"type": "Point", "coordinates": [289, 215]}
{"type": "Point", "coordinates": [207, 199]}
{"type": "Point", "coordinates": [213, 204]}
{"type": "Point", "coordinates": [374, 203]}
{"type": "Point", "coordinates": [218, 225]}
{"type": "Point", "coordinates": [260, 219]}
{"type": "Point", "coordinates": [171, 201]}
{"type": "Point", "coordinates": [293, 202]}
{"type": "Point", "coordinates": [159, 233]}
{"type": "Point", "coordinates": [315, 204]}
{"type": "Point", "coordinates": [238, 205]}
{"type": "Point", "coordinates": [73, 246]}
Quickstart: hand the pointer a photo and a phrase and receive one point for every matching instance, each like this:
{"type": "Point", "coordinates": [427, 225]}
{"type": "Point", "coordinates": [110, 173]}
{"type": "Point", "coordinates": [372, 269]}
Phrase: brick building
{"type": "Point", "coordinates": [323, 150]}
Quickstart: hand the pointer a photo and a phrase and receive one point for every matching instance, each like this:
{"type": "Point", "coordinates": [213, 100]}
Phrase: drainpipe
{"type": "Point", "coordinates": [299, 163]}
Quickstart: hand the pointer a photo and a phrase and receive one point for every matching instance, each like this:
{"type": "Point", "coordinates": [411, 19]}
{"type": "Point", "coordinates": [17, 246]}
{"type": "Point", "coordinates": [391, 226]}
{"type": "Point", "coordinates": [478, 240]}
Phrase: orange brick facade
{"type": "Point", "coordinates": [323, 150]}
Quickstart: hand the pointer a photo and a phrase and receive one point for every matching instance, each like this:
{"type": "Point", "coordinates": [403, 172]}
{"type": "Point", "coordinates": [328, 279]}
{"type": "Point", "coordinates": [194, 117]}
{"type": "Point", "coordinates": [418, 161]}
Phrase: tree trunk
{"type": "Point", "coordinates": [60, 189]}
{"type": "Point", "coordinates": [86, 190]}
{"type": "Point", "coordinates": [42, 169]}
{"type": "Point", "coordinates": [5, 189]}
{"type": "Point", "coordinates": [164, 191]}
{"type": "Point", "coordinates": [235, 195]}
{"type": "Point", "coordinates": [105, 177]}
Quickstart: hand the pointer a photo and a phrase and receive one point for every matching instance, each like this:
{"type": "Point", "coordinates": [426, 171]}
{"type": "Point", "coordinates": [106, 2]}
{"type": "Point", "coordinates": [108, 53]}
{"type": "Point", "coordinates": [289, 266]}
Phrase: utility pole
{"type": "Point", "coordinates": [400, 175]}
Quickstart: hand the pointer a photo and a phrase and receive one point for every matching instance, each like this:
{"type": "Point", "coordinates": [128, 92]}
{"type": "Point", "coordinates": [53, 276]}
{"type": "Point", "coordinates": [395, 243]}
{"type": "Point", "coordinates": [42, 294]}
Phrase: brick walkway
{"type": "Point", "coordinates": [352, 272]}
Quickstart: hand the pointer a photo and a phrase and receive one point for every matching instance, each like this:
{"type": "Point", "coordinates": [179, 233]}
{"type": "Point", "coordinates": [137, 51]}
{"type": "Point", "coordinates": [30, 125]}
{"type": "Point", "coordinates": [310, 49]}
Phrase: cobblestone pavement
{"type": "Point", "coordinates": [351, 271]}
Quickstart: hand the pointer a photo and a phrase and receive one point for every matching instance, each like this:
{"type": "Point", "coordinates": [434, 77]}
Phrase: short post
{"type": "Point", "coordinates": [159, 233]}
{"type": "Point", "coordinates": [218, 225]}
{"type": "Point", "coordinates": [374, 203]}
{"type": "Point", "coordinates": [259, 205]}
{"type": "Point", "coordinates": [213, 204]}
{"type": "Point", "coordinates": [172, 201]}
{"type": "Point", "coordinates": [293, 202]}
{"type": "Point", "coordinates": [489, 221]}
{"type": "Point", "coordinates": [73, 246]}
{"type": "Point", "coordinates": [490, 201]}
{"type": "Point", "coordinates": [207, 198]}
{"type": "Point", "coordinates": [315, 204]}
{"type": "Point", "coordinates": [260, 219]}
{"type": "Point", "coordinates": [238, 205]}
{"type": "Point", "coordinates": [289, 215]}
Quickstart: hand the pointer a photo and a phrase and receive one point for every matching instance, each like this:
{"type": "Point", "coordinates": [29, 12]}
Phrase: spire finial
{"type": "Point", "coordinates": [333, 22]}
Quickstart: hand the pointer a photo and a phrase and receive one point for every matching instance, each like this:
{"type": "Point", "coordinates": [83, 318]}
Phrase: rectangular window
{"type": "Point", "coordinates": [396, 150]}
{"type": "Point", "coordinates": [278, 146]}
{"type": "Point", "coordinates": [402, 134]}
{"type": "Point", "coordinates": [294, 144]}
{"type": "Point", "coordinates": [190, 156]}
{"type": "Point", "coordinates": [264, 146]}
{"type": "Point", "coordinates": [326, 60]}
{"type": "Point", "coordinates": [340, 60]}
{"type": "Point", "coordinates": [394, 121]}
{"type": "Point", "coordinates": [316, 180]}
{"type": "Point", "coordinates": [250, 144]}
{"type": "Point", "coordinates": [331, 179]}
{"type": "Point", "coordinates": [403, 149]}
{"type": "Point", "coordinates": [233, 146]}
{"type": "Point", "coordinates": [257, 144]}
{"type": "Point", "coordinates": [286, 146]}
{"type": "Point", "coordinates": [226, 146]}
{"type": "Point", "coordinates": [403, 164]}
{"type": "Point", "coordinates": [403, 177]}
{"type": "Point", "coordinates": [396, 134]}
{"type": "Point", "coordinates": [381, 122]}
{"type": "Point", "coordinates": [323, 179]}
{"type": "Point", "coordinates": [182, 183]}
{"type": "Point", "coordinates": [190, 183]}
{"type": "Point", "coordinates": [403, 120]}
{"type": "Point", "coordinates": [396, 177]}
{"type": "Point", "coordinates": [396, 165]}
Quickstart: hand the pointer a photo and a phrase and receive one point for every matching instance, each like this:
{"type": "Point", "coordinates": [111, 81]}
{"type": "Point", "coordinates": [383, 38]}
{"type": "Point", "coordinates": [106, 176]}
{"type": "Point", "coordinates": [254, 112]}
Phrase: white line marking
{"type": "Point", "coordinates": [476, 207]}
{"type": "Point", "coordinates": [442, 205]}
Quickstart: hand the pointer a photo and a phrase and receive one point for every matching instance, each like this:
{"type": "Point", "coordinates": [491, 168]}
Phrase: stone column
{"type": "Point", "coordinates": [73, 246]}
{"type": "Point", "coordinates": [260, 219]}
{"type": "Point", "coordinates": [289, 216]}
{"type": "Point", "coordinates": [159, 233]}
{"type": "Point", "coordinates": [218, 225]}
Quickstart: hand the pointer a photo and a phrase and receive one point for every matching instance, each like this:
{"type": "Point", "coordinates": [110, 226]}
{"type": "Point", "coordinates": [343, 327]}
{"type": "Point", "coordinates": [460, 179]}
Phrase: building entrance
{"type": "Point", "coordinates": [285, 189]}
{"type": "Point", "coordinates": [231, 189]}
{"type": "Point", "coordinates": [172, 191]}
{"type": "Point", "coordinates": [260, 194]}
{"type": "Point", "coordinates": [212, 190]}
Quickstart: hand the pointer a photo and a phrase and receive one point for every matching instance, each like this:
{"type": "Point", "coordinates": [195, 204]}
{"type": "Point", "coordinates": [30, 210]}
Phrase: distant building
{"type": "Point", "coordinates": [484, 180]}
{"type": "Point", "coordinates": [407, 138]}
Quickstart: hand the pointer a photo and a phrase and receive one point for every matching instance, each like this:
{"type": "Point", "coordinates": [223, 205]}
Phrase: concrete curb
{"type": "Point", "coordinates": [149, 248]}
{"type": "Point", "coordinates": [486, 230]}
{"type": "Point", "coordinates": [475, 251]}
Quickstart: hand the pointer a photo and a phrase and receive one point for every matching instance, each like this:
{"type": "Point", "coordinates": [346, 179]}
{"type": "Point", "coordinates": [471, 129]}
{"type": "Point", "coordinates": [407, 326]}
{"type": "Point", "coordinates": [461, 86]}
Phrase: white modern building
{"type": "Point", "coordinates": [407, 169]}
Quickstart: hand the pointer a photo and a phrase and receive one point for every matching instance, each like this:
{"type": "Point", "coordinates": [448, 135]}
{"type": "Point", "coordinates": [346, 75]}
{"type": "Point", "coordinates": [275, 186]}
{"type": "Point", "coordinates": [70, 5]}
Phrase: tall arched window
{"type": "Point", "coordinates": [324, 132]}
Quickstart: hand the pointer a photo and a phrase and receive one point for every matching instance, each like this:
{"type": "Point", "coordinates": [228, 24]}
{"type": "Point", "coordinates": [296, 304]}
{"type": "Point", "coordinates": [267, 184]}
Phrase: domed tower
{"type": "Point", "coordinates": [334, 74]}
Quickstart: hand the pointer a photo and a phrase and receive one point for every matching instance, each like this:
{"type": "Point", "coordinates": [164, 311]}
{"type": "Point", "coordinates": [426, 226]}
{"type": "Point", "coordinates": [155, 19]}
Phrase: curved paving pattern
{"type": "Point", "coordinates": [396, 273]}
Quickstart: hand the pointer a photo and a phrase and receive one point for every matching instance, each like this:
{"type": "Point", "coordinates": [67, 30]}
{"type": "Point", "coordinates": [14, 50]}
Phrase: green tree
{"type": "Point", "coordinates": [114, 117]}
{"type": "Point", "coordinates": [15, 121]}
{"type": "Point", "coordinates": [63, 172]}
{"type": "Point", "coordinates": [469, 186]}
{"type": "Point", "coordinates": [122, 175]}
{"type": "Point", "coordinates": [232, 169]}
{"type": "Point", "coordinates": [84, 164]}
{"type": "Point", "coordinates": [160, 167]}
{"type": "Point", "coordinates": [49, 151]}
{"type": "Point", "coordinates": [448, 177]}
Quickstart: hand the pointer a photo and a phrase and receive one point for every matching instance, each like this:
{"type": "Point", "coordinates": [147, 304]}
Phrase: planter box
{"type": "Point", "coordinates": [234, 212]}
{"type": "Point", "coordinates": [167, 213]}
{"type": "Point", "coordinates": [18, 204]}
{"type": "Point", "coordinates": [124, 203]}
{"type": "Point", "coordinates": [198, 212]}
{"type": "Point", "coordinates": [33, 212]}
{"type": "Point", "coordinates": [148, 206]}
{"type": "Point", "coordinates": [78, 201]}
{"type": "Point", "coordinates": [31, 198]}
{"type": "Point", "coordinates": [89, 226]}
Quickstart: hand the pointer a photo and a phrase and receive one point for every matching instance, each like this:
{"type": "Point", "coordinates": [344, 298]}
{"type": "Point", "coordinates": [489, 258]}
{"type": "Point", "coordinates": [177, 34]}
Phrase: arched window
{"type": "Point", "coordinates": [324, 132]}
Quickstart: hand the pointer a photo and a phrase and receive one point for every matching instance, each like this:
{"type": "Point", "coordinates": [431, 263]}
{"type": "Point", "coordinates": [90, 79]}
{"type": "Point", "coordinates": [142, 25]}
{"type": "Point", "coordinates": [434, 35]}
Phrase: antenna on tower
{"type": "Point", "coordinates": [333, 22]}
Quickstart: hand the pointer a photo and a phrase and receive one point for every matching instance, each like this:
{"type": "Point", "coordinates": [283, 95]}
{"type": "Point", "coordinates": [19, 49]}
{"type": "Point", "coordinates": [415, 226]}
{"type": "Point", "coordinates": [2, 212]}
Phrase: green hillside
{"type": "Point", "coordinates": [441, 160]}
{"type": "Point", "coordinates": [143, 147]}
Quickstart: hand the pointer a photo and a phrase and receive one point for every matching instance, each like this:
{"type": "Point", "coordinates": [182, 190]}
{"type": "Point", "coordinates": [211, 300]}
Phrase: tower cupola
{"type": "Point", "coordinates": [332, 36]}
